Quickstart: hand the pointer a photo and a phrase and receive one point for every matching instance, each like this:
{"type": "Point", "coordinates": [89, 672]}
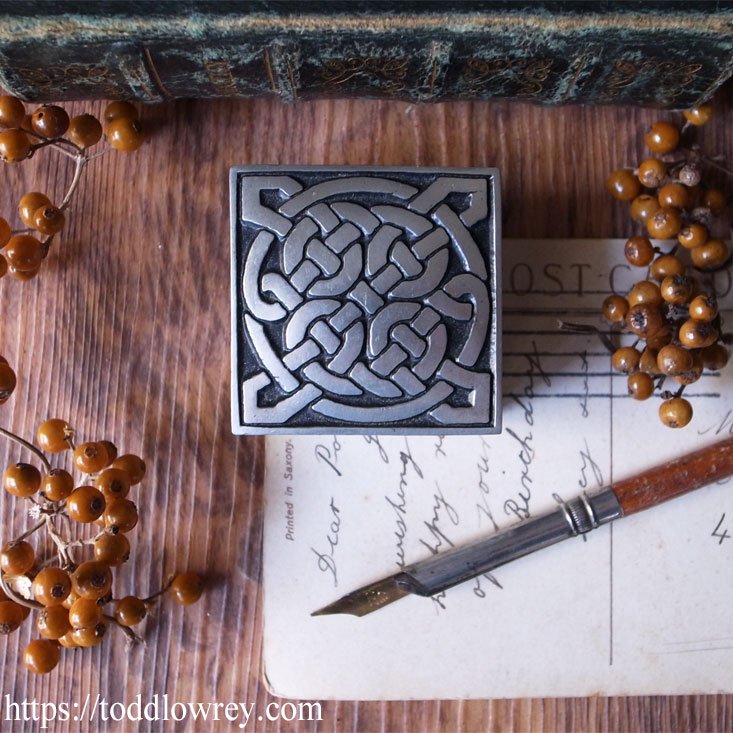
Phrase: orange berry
{"type": "Point", "coordinates": [84, 130]}
{"type": "Point", "coordinates": [51, 586]}
{"type": "Point", "coordinates": [12, 111]}
{"type": "Point", "coordinates": [666, 265]}
{"type": "Point", "coordinates": [92, 579]}
{"type": "Point", "coordinates": [130, 610]}
{"type": "Point", "coordinates": [85, 504]}
{"type": "Point", "coordinates": [714, 200]}
{"type": "Point", "coordinates": [664, 223]}
{"type": "Point", "coordinates": [710, 256]}
{"type": "Point", "coordinates": [187, 588]}
{"type": "Point", "coordinates": [693, 235]}
{"type": "Point", "coordinates": [663, 137]}
{"type": "Point", "coordinates": [133, 465]}
{"type": "Point", "coordinates": [30, 203]}
{"type": "Point", "coordinates": [53, 435]}
{"type": "Point", "coordinates": [7, 381]}
{"type": "Point", "coordinates": [57, 484]}
{"type": "Point", "coordinates": [652, 172]}
{"type": "Point", "coordinates": [703, 307]}
{"type": "Point", "coordinates": [623, 185]}
{"type": "Point", "coordinates": [50, 121]}
{"type": "Point", "coordinates": [90, 635]}
{"type": "Point", "coordinates": [120, 515]}
{"type": "Point", "coordinates": [119, 109]}
{"type": "Point", "coordinates": [22, 479]}
{"type": "Point", "coordinates": [615, 308]}
{"type": "Point", "coordinates": [676, 289]}
{"type": "Point", "coordinates": [645, 291]}
{"type": "Point", "coordinates": [91, 457]}
{"type": "Point", "coordinates": [113, 549]}
{"type": "Point", "coordinates": [24, 253]}
{"type": "Point", "coordinates": [23, 275]}
{"type": "Point", "coordinates": [17, 558]}
{"type": "Point", "coordinates": [114, 483]}
{"type": "Point", "coordinates": [699, 115]}
{"type": "Point", "coordinates": [673, 359]}
{"type": "Point", "coordinates": [660, 337]}
{"type": "Point", "coordinates": [640, 385]}
{"type": "Point", "coordinates": [124, 134]}
{"type": "Point", "coordinates": [49, 220]}
{"type": "Point", "coordinates": [85, 612]}
{"type": "Point", "coordinates": [697, 334]}
{"type": "Point", "coordinates": [5, 232]}
{"type": "Point", "coordinates": [11, 617]}
{"type": "Point", "coordinates": [643, 207]}
{"type": "Point", "coordinates": [639, 251]}
{"type": "Point", "coordinates": [111, 449]}
{"type": "Point", "coordinates": [644, 320]}
{"type": "Point", "coordinates": [715, 357]}
{"type": "Point", "coordinates": [41, 656]}
{"type": "Point", "coordinates": [625, 359]}
{"type": "Point", "coordinates": [675, 413]}
{"type": "Point", "coordinates": [14, 145]}
{"type": "Point", "coordinates": [53, 622]}
{"type": "Point", "coordinates": [674, 194]}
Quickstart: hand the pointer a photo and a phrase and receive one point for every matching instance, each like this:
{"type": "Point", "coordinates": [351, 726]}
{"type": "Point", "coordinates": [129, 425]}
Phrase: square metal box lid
{"type": "Point", "coordinates": [365, 300]}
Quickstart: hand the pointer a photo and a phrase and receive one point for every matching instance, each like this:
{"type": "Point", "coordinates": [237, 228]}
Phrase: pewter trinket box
{"type": "Point", "coordinates": [365, 300]}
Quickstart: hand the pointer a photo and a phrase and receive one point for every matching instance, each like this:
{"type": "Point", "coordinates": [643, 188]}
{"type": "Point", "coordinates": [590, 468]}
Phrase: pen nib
{"type": "Point", "coordinates": [367, 599]}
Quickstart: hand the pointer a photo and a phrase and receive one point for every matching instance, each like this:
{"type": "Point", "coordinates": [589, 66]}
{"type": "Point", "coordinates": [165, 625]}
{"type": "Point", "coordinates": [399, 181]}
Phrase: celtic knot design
{"type": "Point", "coordinates": [367, 299]}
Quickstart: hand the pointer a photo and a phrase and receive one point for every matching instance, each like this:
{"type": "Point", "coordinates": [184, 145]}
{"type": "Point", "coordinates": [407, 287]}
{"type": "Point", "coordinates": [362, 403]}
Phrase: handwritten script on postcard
{"type": "Point", "coordinates": [643, 606]}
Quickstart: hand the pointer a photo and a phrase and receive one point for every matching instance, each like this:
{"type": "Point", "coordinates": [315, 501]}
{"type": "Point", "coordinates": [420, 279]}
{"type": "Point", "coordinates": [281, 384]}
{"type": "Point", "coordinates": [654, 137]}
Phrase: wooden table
{"type": "Point", "coordinates": [126, 334]}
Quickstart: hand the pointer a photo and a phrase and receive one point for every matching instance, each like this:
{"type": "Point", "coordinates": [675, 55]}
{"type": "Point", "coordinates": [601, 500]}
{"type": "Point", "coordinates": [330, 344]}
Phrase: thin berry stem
{"type": "Point", "coordinates": [44, 143]}
{"type": "Point", "coordinates": [32, 448]}
{"type": "Point", "coordinates": [81, 161]}
{"type": "Point", "coordinates": [79, 543]}
{"type": "Point", "coordinates": [30, 531]}
{"type": "Point", "coordinates": [128, 632]}
{"type": "Point", "coordinates": [713, 163]}
{"type": "Point", "coordinates": [51, 561]}
{"type": "Point", "coordinates": [61, 150]}
{"type": "Point", "coordinates": [65, 141]}
{"type": "Point", "coordinates": [162, 591]}
{"type": "Point", "coordinates": [13, 596]}
{"type": "Point", "coordinates": [587, 328]}
{"type": "Point", "coordinates": [65, 516]}
{"type": "Point", "coordinates": [61, 544]}
{"type": "Point", "coordinates": [56, 143]}
{"type": "Point", "coordinates": [99, 154]}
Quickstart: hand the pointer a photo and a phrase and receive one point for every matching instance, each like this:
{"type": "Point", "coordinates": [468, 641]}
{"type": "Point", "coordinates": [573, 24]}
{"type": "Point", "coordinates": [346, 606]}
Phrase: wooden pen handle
{"type": "Point", "coordinates": [675, 478]}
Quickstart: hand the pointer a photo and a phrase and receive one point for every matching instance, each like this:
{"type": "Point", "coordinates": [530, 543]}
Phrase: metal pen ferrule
{"type": "Point", "coordinates": [586, 512]}
{"type": "Point", "coordinates": [571, 518]}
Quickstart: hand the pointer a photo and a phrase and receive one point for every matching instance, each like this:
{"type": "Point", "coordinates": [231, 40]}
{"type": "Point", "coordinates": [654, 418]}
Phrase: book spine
{"type": "Point", "coordinates": [630, 57]}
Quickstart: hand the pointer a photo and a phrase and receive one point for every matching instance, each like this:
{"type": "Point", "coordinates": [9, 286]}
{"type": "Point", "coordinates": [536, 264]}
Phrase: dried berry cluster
{"type": "Point", "coordinates": [672, 312]}
{"type": "Point", "coordinates": [49, 126]}
{"type": "Point", "coordinates": [72, 587]}
{"type": "Point", "coordinates": [59, 567]}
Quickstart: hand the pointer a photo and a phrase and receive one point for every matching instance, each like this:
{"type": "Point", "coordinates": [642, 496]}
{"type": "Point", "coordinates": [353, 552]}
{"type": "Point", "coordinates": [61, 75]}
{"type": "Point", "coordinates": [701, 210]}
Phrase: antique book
{"type": "Point", "coordinates": [645, 53]}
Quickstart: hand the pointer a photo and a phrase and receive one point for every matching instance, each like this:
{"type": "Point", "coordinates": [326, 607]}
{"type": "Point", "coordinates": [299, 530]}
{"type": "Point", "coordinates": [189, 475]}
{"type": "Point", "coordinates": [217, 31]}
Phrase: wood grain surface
{"type": "Point", "coordinates": [670, 480]}
{"type": "Point", "coordinates": [126, 334]}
